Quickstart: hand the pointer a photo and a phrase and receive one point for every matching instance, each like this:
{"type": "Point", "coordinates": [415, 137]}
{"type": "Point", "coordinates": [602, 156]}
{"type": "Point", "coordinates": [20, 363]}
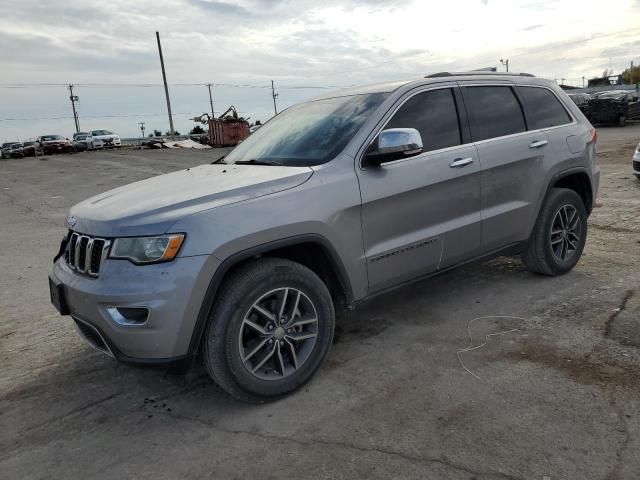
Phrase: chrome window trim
{"type": "Point", "coordinates": [568, 112]}
{"type": "Point", "coordinates": [418, 91]}
{"type": "Point", "coordinates": [492, 83]}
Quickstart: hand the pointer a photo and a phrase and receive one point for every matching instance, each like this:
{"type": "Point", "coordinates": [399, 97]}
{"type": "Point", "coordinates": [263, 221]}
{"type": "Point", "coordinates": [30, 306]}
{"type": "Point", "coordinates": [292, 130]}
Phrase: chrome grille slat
{"type": "Point", "coordinates": [86, 254]}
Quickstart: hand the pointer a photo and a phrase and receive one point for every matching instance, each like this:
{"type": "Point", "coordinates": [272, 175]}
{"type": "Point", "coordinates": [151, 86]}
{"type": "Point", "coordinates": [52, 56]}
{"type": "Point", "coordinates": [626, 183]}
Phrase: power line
{"type": "Point", "coordinates": [160, 85]}
{"type": "Point", "coordinates": [97, 116]}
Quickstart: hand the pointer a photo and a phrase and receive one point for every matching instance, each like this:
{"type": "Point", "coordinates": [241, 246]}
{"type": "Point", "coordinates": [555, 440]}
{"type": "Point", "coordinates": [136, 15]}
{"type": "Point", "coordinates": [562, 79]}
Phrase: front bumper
{"type": "Point", "coordinates": [170, 291]}
{"type": "Point", "coordinates": [636, 164]}
{"type": "Point", "coordinates": [62, 147]}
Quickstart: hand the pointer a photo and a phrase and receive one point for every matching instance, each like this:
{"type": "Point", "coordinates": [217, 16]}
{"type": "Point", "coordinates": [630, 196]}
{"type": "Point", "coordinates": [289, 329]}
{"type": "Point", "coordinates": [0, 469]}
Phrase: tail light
{"type": "Point", "coordinates": [594, 135]}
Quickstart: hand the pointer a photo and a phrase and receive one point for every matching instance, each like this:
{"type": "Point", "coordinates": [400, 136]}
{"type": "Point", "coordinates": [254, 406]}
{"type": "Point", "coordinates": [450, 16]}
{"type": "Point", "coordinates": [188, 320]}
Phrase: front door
{"type": "Point", "coordinates": [422, 213]}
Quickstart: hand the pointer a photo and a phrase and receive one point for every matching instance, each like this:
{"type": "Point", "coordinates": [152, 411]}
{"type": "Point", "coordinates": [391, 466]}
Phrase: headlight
{"type": "Point", "coordinates": [147, 249]}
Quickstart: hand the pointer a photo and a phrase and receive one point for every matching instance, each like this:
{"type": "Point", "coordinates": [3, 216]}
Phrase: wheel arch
{"type": "Point", "coordinates": [311, 250]}
{"type": "Point", "coordinates": [577, 180]}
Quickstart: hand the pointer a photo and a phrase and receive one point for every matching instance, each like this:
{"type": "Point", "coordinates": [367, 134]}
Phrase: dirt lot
{"type": "Point", "coordinates": [554, 394]}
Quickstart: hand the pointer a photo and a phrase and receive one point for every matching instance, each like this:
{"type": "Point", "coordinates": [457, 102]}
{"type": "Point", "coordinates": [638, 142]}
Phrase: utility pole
{"type": "Point", "coordinates": [505, 63]}
{"type": "Point", "coordinates": [213, 115]}
{"type": "Point", "coordinates": [142, 128]}
{"type": "Point", "coordinates": [166, 88]}
{"type": "Point", "coordinates": [274, 95]}
{"type": "Point", "coordinates": [74, 99]}
{"type": "Point", "coordinates": [562, 81]}
{"type": "Point", "coordinates": [583, 81]}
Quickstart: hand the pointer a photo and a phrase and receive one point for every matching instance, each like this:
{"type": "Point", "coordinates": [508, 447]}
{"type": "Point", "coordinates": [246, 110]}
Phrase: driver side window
{"type": "Point", "coordinates": [434, 115]}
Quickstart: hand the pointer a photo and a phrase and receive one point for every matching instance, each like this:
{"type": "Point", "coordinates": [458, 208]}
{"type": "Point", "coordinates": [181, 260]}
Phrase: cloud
{"type": "Point", "coordinates": [295, 43]}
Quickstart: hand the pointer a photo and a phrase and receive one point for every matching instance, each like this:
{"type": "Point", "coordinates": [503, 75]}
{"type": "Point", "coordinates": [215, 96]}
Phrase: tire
{"type": "Point", "coordinates": [622, 121]}
{"type": "Point", "coordinates": [544, 255]}
{"type": "Point", "coordinates": [230, 336]}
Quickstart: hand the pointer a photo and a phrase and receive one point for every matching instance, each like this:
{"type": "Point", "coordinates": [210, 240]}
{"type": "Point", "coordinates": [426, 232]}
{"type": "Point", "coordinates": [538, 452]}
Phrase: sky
{"type": "Point", "coordinates": [108, 51]}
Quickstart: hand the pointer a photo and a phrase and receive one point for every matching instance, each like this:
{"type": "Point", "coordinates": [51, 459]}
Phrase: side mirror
{"type": "Point", "coordinates": [393, 144]}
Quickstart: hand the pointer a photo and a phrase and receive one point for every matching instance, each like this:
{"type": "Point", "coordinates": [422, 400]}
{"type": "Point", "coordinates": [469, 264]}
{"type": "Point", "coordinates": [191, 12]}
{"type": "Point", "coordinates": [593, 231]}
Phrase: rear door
{"type": "Point", "coordinates": [421, 213]}
{"type": "Point", "coordinates": [511, 159]}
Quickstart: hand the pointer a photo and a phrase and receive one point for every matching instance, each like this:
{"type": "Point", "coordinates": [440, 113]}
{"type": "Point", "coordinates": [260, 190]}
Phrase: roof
{"type": "Point", "coordinates": [387, 87]}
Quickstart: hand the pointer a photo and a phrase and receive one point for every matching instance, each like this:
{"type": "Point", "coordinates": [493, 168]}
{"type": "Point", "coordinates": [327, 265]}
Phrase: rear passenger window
{"type": "Point", "coordinates": [493, 112]}
{"type": "Point", "coordinates": [434, 115]}
{"type": "Point", "coordinates": [543, 108]}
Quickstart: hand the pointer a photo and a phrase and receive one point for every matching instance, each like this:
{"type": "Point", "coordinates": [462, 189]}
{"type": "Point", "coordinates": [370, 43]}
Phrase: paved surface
{"type": "Point", "coordinates": [553, 394]}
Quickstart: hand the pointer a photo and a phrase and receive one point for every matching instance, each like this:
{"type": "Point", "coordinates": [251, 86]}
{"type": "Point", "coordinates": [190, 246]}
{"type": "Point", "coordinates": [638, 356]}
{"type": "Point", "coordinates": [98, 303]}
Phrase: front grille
{"type": "Point", "coordinates": [85, 254]}
{"type": "Point", "coordinates": [636, 165]}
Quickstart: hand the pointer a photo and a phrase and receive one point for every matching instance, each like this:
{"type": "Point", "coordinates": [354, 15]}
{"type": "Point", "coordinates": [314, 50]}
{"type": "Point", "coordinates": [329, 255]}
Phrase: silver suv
{"type": "Point", "coordinates": [244, 261]}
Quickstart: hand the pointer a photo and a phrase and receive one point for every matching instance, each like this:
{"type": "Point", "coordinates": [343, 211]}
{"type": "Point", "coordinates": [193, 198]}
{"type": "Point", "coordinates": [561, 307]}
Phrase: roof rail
{"type": "Point", "coordinates": [478, 72]}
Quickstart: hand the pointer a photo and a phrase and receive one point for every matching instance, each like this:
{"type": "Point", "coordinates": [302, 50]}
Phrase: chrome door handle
{"type": "Point", "coordinates": [538, 143]}
{"type": "Point", "coordinates": [461, 162]}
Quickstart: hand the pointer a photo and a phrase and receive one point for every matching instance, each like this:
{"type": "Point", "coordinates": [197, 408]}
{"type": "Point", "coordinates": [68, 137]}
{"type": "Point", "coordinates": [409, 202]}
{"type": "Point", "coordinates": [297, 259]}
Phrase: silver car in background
{"type": "Point", "coordinates": [636, 161]}
{"type": "Point", "coordinates": [333, 201]}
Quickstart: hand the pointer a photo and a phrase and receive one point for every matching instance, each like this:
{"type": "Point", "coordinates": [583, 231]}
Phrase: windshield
{"type": "Point", "coordinates": [308, 134]}
{"type": "Point", "coordinates": [101, 132]}
{"type": "Point", "coordinates": [81, 137]}
{"type": "Point", "coordinates": [48, 138]}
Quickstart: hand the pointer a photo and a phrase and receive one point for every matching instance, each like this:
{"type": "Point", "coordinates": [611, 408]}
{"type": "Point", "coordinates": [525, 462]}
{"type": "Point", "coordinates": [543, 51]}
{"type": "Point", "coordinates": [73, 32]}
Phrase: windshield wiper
{"type": "Point", "coordinates": [253, 161]}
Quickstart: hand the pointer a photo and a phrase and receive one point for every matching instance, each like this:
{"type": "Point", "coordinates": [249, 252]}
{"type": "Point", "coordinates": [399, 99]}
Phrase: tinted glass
{"type": "Point", "coordinates": [434, 115]}
{"type": "Point", "coordinates": [493, 112]}
{"type": "Point", "coordinates": [543, 108]}
{"type": "Point", "coordinates": [310, 133]}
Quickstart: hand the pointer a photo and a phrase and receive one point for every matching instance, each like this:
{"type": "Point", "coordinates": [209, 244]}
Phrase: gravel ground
{"type": "Point", "coordinates": [554, 393]}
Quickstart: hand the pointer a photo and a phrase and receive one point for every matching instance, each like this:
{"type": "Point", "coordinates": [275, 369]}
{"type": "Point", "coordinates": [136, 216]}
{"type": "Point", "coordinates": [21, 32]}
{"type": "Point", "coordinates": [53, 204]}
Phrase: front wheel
{"type": "Point", "coordinates": [270, 330]}
{"type": "Point", "coordinates": [559, 235]}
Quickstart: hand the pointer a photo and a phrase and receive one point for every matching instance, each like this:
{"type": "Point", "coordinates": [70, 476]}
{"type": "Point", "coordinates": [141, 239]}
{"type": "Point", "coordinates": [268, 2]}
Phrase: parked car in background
{"type": "Point", "coordinates": [613, 107]}
{"type": "Point", "coordinates": [348, 195]}
{"type": "Point", "coordinates": [82, 142]}
{"type": "Point", "coordinates": [77, 134]}
{"type": "Point", "coordinates": [53, 144]}
{"type": "Point", "coordinates": [636, 162]}
{"type": "Point", "coordinates": [12, 150]}
{"type": "Point", "coordinates": [29, 148]}
{"type": "Point", "coordinates": [105, 139]}
{"type": "Point", "coordinates": [581, 100]}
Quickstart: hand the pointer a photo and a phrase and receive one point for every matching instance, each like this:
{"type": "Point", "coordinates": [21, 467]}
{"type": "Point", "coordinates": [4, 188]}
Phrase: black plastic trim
{"type": "Point", "coordinates": [511, 249]}
{"type": "Point", "coordinates": [178, 361]}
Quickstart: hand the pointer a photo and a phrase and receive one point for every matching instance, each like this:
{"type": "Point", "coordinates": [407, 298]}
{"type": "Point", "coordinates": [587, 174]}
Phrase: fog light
{"type": "Point", "coordinates": [129, 315]}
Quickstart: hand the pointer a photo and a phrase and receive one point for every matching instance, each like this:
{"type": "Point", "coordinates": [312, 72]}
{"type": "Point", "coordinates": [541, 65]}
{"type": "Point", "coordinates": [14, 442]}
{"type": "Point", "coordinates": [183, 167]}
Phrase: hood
{"type": "Point", "coordinates": [151, 206]}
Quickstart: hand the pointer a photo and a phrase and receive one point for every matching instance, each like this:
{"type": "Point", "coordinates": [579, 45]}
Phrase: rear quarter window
{"type": "Point", "coordinates": [543, 108]}
{"type": "Point", "coordinates": [494, 111]}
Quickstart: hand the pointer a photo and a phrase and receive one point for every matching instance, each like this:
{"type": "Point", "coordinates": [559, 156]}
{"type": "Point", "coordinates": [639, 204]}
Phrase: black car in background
{"type": "Point", "coordinates": [29, 148]}
{"type": "Point", "coordinates": [613, 107]}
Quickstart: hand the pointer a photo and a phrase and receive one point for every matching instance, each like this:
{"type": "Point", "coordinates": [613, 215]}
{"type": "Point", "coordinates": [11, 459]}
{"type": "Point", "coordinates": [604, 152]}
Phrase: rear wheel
{"type": "Point", "coordinates": [559, 235]}
{"type": "Point", "coordinates": [270, 330]}
{"type": "Point", "coordinates": [622, 121]}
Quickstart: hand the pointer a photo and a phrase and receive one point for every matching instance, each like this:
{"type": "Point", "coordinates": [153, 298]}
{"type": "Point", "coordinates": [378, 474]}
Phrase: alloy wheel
{"type": "Point", "coordinates": [278, 334]}
{"type": "Point", "coordinates": [566, 233]}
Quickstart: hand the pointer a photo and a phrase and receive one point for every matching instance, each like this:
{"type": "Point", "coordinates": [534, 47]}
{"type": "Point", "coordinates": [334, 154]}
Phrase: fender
{"type": "Point", "coordinates": [559, 176]}
{"type": "Point", "coordinates": [229, 262]}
